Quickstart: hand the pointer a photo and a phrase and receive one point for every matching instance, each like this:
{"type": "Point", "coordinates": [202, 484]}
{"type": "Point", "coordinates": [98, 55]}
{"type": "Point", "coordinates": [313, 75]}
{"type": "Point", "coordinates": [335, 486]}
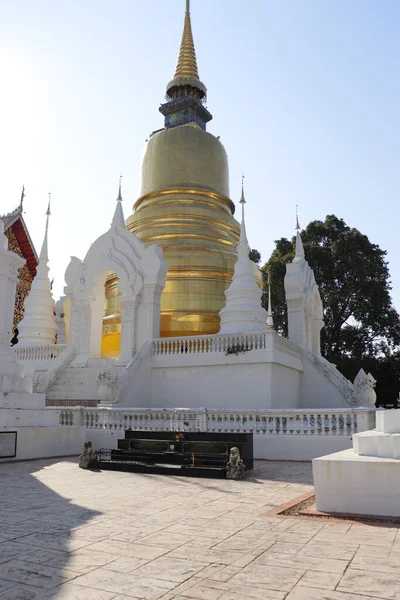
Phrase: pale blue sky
{"type": "Point", "coordinates": [305, 96]}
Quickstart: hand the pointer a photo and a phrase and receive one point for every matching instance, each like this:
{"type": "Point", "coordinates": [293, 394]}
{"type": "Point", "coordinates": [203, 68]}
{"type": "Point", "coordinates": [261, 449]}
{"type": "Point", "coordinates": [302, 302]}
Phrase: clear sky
{"type": "Point", "coordinates": [305, 96]}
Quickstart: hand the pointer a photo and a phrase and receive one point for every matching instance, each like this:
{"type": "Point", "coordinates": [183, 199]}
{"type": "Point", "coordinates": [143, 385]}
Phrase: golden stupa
{"type": "Point", "coordinates": [185, 208]}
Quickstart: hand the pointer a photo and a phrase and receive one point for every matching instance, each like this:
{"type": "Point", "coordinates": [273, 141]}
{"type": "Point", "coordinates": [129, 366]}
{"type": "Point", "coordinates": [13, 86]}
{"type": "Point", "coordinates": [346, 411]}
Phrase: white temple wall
{"type": "Point", "coordinates": [285, 385]}
{"type": "Point", "coordinates": [231, 386]}
{"type": "Point", "coordinates": [317, 391]}
{"type": "Point", "coordinates": [46, 442]}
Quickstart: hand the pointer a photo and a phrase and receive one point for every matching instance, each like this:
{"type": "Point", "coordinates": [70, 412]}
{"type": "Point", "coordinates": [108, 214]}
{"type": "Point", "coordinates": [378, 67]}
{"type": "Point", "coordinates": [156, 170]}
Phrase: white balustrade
{"type": "Point", "coordinates": [201, 344]}
{"type": "Point", "coordinates": [67, 417]}
{"type": "Point", "coordinates": [287, 422]}
{"type": "Point", "coordinates": [39, 353]}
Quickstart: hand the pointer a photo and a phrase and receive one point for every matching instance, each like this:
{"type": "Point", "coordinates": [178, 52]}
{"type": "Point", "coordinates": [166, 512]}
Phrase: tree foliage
{"type": "Point", "coordinates": [255, 256]}
{"type": "Point", "coordinates": [353, 278]}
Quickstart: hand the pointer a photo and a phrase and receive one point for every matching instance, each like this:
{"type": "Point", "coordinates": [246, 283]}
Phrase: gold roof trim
{"type": "Point", "coordinates": [186, 191]}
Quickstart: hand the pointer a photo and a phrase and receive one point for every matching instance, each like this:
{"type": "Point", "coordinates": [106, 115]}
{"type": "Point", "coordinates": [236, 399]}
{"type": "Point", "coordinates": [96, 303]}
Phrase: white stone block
{"type": "Point", "coordinates": [20, 400]}
{"type": "Point", "coordinates": [388, 421]}
{"type": "Point", "coordinates": [347, 483]}
{"type": "Point", "coordinates": [384, 443]}
{"type": "Point", "coordinates": [396, 445]}
{"type": "Point", "coordinates": [365, 443]}
{"type": "Point", "coordinates": [47, 442]}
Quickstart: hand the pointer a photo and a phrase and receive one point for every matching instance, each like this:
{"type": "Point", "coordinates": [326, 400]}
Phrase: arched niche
{"type": "Point", "coordinates": [141, 272]}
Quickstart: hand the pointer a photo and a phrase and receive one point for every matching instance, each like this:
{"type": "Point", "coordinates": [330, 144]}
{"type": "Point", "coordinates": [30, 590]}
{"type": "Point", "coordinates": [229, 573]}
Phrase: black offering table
{"type": "Point", "coordinates": [184, 453]}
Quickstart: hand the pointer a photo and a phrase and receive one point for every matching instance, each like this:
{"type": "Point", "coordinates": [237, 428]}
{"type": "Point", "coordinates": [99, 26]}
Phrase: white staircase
{"type": "Point", "coordinates": [76, 386]}
{"type": "Point", "coordinates": [382, 442]}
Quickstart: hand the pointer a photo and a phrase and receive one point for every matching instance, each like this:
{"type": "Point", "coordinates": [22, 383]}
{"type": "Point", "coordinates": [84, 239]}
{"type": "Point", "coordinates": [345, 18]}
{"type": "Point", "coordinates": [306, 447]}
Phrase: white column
{"type": "Point", "coordinates": [128, 333]}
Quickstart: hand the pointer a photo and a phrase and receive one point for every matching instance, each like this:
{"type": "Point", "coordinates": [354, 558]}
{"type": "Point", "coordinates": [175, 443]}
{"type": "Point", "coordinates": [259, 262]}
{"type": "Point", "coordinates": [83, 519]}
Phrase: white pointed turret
{"type": "Point", "coordinates": [299, 250]}
{"type": "Point", "coordinates": [118, 219]}
{"type": "Point", "coordinates": [38, 326]}
{"type": "Point", "coordinates": [270, 318]}
{"type": "Point", "coordinates": [243, 312]}
{"type": "Point", "coordinates": [304, 305]}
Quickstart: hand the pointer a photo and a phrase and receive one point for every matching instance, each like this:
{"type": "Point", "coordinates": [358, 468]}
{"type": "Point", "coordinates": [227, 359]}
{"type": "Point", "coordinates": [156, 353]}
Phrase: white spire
{"type": "Point", "coordinates": [243, 312]}
{"type": "Point", "coordinates": [118, 219]}
{"type": "Point", "coordinates": [44, 251]}
{"type": "Point", "coordinates": [299, 254]}
{"type": "Point", "coordinates": [243, 234]}
{"type": "Point", "coordinates": [270, 318]}
{"type": "Point", "coordinates": [38, 326]}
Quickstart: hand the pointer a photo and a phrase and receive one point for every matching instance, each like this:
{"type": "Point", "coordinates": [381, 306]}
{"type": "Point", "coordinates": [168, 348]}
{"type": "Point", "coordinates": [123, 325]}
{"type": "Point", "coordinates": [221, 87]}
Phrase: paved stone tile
{"type": "Point", "coordinates": [10, 550]}
{"type": "Point", "coordinates": [65, 537]}
{"type": "Point", "coordinates": [82, 561]}
{"type": "Point", "coordinates": [5, 585]}
{"type": "Point", "coordinates": [224, 573]}
{"type": "Point", "coordinates": [347, 538]}
{"type": "Point", "coordinates": [43, 556]}
{"type": "Point", "coordinates": [378, 531]}
{"type": "Point", "coordinates": [285, 548]}
{"type": "Point", "coordinates": [374, 551]}
{"type": "Point", "coordinates": [206, 555]}
{"type": "Point", "coordinates": [22, 592]}
{"type": "Point", "coordinates": [336, 528]}
{"type": "Point", "coordinates": [119, 548]}
{"type": "Point", "coordinates": [271, 577]}
{"type": "Point", "coordinates": [320, 579]}
{"type": "Point", "coordinates": [252, 593]}
{"type": "Point", "coordinates": [381, 585]}
{"type": "Point", "coordinates": [297, 561]}
{"type": "Point", "coordinates": [126, 564]}
{"type": "Point", "coordinates": [382, 565]}
{"type": "Point", "coordinates": [340, 551]}
{"type": "Point", "coordinates": [54, 542]}
{"type": "Point", "coordinates": [207, 590]}
{"type": "Point", "coordinates": [166, 540]}
{"type": "Point", "coordinates": [240, 543]}
{"type": "Point", "coordinates": [70, 591]}
{"type": "Point", "coordinates": [123, 583]}
{"type": "Point", "coordinates": [306, 593]}
{"type": "Point", "coordinates": [171, 569]}
{"type": "Point", "coordinates": [306, 527]}
{"type": "Point", "coordinates": [34, 574]}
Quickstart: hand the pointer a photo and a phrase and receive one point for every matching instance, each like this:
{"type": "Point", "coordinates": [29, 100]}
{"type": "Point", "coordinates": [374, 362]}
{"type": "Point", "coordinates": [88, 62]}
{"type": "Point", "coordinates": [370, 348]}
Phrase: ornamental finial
{"type": "Point", "coordinates": [119, 199]}
{"type": "Point", "coordinates": [297, 218]}
{"type": "Point", "coordinates": [242, 198]}
{"type": "Point", "coordinates": [21, 202]}
{"type": "Point", "coordinates": [187, 64]}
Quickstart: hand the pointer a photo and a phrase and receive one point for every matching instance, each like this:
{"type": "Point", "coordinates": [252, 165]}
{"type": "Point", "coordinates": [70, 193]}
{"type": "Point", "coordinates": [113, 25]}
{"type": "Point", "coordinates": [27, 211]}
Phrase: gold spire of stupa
{"type": "Point", "coordinates": [187, 64]}
{"type": "Point", "coordinates": [186, 76]}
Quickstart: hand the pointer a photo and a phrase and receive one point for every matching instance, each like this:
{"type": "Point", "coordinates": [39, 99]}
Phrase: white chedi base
{"type": "Point", "coordinates": [12, 378]}
{"type": "Point", "coordinates": [364, 480]}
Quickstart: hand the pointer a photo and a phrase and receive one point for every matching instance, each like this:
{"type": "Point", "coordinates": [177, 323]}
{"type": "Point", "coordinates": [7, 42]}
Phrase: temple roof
{"type": "Point", "coordinates": [15, 221]}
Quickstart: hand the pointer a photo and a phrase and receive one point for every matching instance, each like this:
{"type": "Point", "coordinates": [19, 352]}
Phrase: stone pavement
{"type": "Point", "coordinates": [69, 534]}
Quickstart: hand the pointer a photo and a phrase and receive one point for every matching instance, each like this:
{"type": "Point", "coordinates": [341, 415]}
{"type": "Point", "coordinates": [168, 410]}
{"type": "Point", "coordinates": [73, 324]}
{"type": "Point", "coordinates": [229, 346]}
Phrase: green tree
{"type": "Point", "coordinates": [353, 278]}
{"type": "Point", "coordinates": [255, 256]}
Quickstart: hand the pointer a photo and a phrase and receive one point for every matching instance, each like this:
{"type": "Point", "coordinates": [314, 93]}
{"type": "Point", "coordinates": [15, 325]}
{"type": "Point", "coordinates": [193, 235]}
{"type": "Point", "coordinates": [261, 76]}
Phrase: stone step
{"type": "Point", "coordinates": [72, 394]}
{"type": "Point", "coordinates": [377, 443]}
{"type": "Point", "coordinates": [65, 379]}
{"type": "Point", "coordinates": [82, 389]}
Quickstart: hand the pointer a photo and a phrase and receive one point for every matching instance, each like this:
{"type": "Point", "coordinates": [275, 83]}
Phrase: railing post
{"type": "Point", "coordinates": [365, 418]}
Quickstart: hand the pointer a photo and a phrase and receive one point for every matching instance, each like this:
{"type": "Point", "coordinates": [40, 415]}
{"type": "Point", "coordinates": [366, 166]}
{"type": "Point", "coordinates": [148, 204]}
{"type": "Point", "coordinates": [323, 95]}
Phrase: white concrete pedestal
{"type": "Point", "coordinates": [366, 479]}
{"type": "Point", "coordinates": [365, 485]}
